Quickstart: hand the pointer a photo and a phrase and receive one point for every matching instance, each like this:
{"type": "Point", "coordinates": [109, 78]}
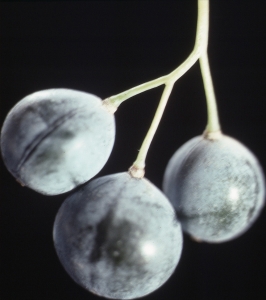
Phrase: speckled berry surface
{"type": "Point", "coordinates": [216, 186]}
{"type": "Point", "coordinates": [118, 237]}
{"type": "Point", "coordinates": [56, 139]}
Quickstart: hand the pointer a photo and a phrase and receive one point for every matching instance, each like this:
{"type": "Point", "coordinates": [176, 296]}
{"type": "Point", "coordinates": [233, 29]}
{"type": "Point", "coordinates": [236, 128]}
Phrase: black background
{"type": "Point", "coordinates": [105, 48]}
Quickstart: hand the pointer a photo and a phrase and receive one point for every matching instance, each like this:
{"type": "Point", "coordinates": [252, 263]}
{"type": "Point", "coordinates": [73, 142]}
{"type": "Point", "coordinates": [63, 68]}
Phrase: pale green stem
{"type": "Point", "coordinates": [201, 41]}
{"type": "Point", "coordinates": [213, 124]}
{"type": "Point", "coordinates": [116, 100]}
{"type": "Point", "coordinates": [139, 164]}
{"type": "Point", "coordinates": [137, 169]}
{"type": "Point", "coordinates": [111, 103]}
{"type": "Point", "coordinates": [199, 47]}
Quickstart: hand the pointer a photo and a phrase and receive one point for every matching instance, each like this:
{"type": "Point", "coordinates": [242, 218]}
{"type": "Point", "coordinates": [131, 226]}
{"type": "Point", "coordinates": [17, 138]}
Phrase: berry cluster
{"type": "Point", "coordinates": [119, 236]}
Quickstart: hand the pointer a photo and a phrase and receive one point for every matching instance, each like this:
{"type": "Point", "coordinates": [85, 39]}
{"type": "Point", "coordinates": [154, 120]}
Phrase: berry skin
{"type": "Point", "coordinates": [216, 186]}
{"type": "Point", "coordinates": [54, 140]}
{"type": "Point", "coordinates": [118, 237]}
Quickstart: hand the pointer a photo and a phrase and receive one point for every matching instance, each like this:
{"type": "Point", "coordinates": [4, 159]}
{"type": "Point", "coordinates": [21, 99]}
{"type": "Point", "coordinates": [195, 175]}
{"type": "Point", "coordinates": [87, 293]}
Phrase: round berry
{"type": "Point", "coordinates": [54, 140]}
{"type": "Point", "coordinates": [216, 186]}
{"type": "Point", "coordinates": [118, 237]}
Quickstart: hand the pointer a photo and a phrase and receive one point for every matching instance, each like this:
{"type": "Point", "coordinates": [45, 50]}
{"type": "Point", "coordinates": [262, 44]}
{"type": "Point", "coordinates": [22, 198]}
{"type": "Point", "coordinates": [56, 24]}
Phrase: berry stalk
{"type": "Point", "coordinates": [200, 46]}
{"type": "Point", "coordinates": [137, 169]}
{"type": "Point", "coordinates": [213, 125]}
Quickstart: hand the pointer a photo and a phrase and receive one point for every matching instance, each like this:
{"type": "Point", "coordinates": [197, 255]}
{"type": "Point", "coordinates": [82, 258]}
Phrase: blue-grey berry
{"type": "Point", "coordinates": [216, 186]}
{"type": "Point", "coordinates": [118, 237]}
{"type": "Point", "coordinates": [56, 139]}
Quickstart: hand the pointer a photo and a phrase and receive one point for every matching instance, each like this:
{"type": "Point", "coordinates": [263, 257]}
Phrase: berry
{"type": "Point", "coordinates": [216, 186]}
{"type": "Point", "coordinates": [56, 139]}
{"type": "Point", "coordinates": [118, 237]}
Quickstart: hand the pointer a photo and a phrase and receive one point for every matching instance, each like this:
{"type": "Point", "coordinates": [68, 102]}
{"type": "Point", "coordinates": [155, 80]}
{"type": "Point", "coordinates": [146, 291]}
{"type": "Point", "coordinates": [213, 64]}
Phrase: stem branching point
{"type": "Point", "coordinates": [199, 52]}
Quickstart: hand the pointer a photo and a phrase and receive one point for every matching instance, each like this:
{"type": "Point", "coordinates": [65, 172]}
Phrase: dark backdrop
{"type": "Point", "coordinates": [105, 48]}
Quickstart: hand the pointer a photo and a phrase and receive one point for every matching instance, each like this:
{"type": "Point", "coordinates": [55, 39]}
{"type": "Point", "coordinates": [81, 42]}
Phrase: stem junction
{"type": "Point", "coordinates": [199, 52]}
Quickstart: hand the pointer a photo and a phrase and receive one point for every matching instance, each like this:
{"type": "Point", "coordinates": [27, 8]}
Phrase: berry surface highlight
{"type": "Point", "coordinates": [118, 237]}
{"type": "Point", "coordinates": [216, 186]}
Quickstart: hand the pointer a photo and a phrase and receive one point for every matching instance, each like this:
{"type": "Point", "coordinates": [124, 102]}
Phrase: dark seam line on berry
{"type": "Point", "coordinates": [192, 149]}
{"type": "Point", "coordinates": [103, 183]}
{"type": "Point", "coordinates": [41, 137]}
{"type": "Point", "coordinates": [100, 238]}
{"type": "Point", "coordinates": [93, 255]}
{"type": "Point", "coordinates": [189, 153]}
